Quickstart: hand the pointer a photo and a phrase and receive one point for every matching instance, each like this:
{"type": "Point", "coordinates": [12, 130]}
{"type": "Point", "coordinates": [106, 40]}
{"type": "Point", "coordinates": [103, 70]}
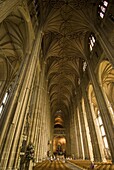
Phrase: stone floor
{"type": "Point", "coordinates": [56, 165]}
{"type": "Point", "coordinates": [85, 164]}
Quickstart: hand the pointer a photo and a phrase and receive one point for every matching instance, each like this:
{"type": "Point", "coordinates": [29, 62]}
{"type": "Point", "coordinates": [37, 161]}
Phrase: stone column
{"type": "Point", "coordinates": [84, 136]}
{"type": "Point", "coordinates": [41, 115]}
{"type": "Point", "coordinates": [45, 121]}
{"type": "Point", "coordinates": [93, 135]}
{"type": "Point", "coordinates": [17, 107]}
{"type": "Point", "coordinates": [40, 137]}
{"type": "Point", "coordinates": [19, 159]}
{"type": "Point", "coordinates": [45, 131]}
{"type": "Point", "coordinates": [48, 123]}
{"type": "Point", "coordinates": [33, 134]}
{"type": "Point", "coordinates": [36, 136]}
{"type": "Point", "coordinates": [36, 131]}
{"type": "Point", "coordinates": [11, 103]}
{"type": "Point", "coordinates": [106, 118]}
{"type": "Point", "coordinates": [27, 116]}
{"type": "Point", "coordinates": [72, 135]}
{"type": "Point", "coordinates": [77, 123]}
{"type": "Point", "coordinates": [38, 125]}
{"type": "Point", "coordinates": [67, 135]}
{"type": "Point", "coordinates": [33, 109]}
{"type": "Point", "coordinates": [76, 134]}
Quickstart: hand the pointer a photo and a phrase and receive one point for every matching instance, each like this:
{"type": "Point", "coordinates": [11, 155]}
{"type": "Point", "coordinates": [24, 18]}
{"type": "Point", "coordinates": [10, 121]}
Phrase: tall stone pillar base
{"type": "Point", "coordinates": [31, 164]}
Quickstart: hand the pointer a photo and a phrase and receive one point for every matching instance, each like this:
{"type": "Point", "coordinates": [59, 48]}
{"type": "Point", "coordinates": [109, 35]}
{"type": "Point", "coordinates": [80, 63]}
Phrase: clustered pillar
{"type": "Point", "coordinates": [28, 97]}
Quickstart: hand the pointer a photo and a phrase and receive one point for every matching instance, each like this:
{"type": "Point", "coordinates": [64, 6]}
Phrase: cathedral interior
{"type": "Point", "coordinates": [56, 82]}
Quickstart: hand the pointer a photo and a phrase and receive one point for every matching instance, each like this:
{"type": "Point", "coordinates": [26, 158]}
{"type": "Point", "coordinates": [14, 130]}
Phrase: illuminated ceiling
{"type": "Point", "coordinates": [66, 24]}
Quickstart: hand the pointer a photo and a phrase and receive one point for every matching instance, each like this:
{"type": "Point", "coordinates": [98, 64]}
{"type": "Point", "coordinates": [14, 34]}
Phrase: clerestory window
{"type": "Point", "coordinates": [102, 8]}
{"type": "Point", "coordinates": [84, 66]}
{"type": "Point", "coordinates": [4, 101]}
{"type": "Point", "coordinates": [92, 41]}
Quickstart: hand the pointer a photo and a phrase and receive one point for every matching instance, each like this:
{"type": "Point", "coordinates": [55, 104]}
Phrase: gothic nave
{"type": "Point", "coordinates": [56, 84]}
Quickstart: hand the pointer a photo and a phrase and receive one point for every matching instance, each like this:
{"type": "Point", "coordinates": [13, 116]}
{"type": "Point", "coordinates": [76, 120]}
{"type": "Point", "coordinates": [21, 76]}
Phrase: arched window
{"type": "Point", "coordinates": [102, 8]}
{"type": "Point", "coordinates": [84, 66]}
{"type": "Point", "coordinates": [103, 134]}
{"type": "Point", "coordinates": [4, 101]}
{"type": "Point", "coordinates": [92, 41]}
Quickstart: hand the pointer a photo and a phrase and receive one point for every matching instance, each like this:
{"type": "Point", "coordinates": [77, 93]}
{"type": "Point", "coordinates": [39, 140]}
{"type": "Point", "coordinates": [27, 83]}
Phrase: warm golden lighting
{"type": "Point", "coordinates": [61, 141]}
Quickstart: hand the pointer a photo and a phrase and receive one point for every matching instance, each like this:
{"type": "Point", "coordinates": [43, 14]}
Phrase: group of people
{"type": "Point", "coordinates": [54, 157]}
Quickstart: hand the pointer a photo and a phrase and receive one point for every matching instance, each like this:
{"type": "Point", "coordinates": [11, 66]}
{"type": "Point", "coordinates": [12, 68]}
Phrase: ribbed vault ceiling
{"type": "Point", "coordinates": [66, 23]}
{"type": "Point", "coordinates": [12, 45]}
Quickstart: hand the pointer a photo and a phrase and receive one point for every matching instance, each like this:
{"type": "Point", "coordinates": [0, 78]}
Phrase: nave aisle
{"type": "Point", "coordinates": [55, 165]}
